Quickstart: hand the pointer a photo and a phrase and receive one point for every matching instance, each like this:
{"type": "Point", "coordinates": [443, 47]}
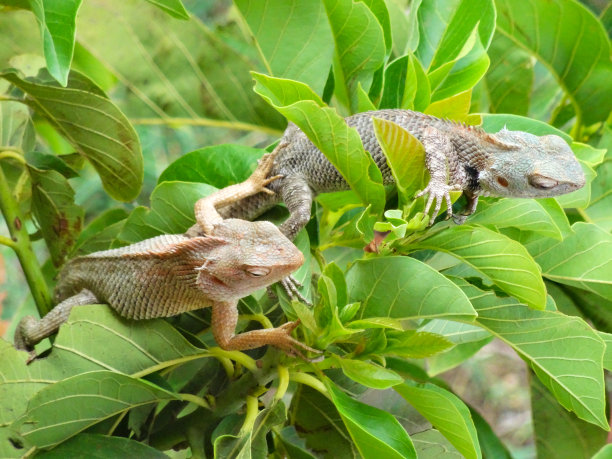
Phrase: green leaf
{"type": "Point", "coordinates": [97, 334]}
{"type": "Point", "coordinates": [375, 432]}
{"type": "Point", "coordinates": [566, 37]}
{"type": "Point", "coordinates": [360, 47]}
{"type": "Point", "coordinates": [415, 344]}
{"type": "Point", "coordinates": [600, 203]}
{"type": "Point", "coordinates": [564, 351]}
{"type": "Point", "coordinates": [369, 374]}
{"type": "Point", "coordinates": [583, 259]}
{"type": "Point", "coordinates": [172, 7]}
{"type": "Point", "coordinates": [454, 38]}
{"type": "Point", "coordinates": [218, 165]}
{"type": "Point", "coordinates": [59, 218]}
{"type": "Point", "coordinates": [16, 129]}
{"type": "Point", "coordinates": [329, 133]}
{"type": "Point", "coordinates": [101, 447]}
{"type": "Point", "coordinates": [607, 360]}
{"type": "Point", "coordinates": [171, 211]}
{"type": "Point", "coordinates": [294, 446]}
{"type": "Point", "coordinates": [294, 38]}
{"type": "Point", "coordinates": [93, 125]}
{"type": "Point", "coordinates": [506, 262]}
{"type": "Point", "coordinates": [403, 287]}
{"type": "Point", "coordinates": [63, 409]}
{"type": "Point", "coordinates": [524, 214]}
{"type": "Point", "coordinates": [494, 123]}
{"type": "Point", "coordinates": [174, 72]}
{"type": "Point", "coordinates": [446, 412]}
{"type": "Point", "coordinates": [318, 421]}
{"type": "Point", "coordinates": [233, 441]}
{"type": "Point", "coordinates": [431, 444]}
{"type": "Point", "coordinates": [490, 444]}
{"type": "Point", "coordinates": [556, 429]}
{"type": "Point", "coordinates": [510, 78]}
{"type": "Point", "coordinates": [405, 156]}
{"type": "Point", "coordinates": [455, 356]}
{"type": "Point", "coordinates": [56, 19]}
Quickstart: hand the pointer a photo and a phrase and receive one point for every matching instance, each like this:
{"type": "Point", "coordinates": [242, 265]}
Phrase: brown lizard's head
{"type": "Point", "coordinates": [528, 166]}
{"type": "Point", "coordinates": [253, 255]}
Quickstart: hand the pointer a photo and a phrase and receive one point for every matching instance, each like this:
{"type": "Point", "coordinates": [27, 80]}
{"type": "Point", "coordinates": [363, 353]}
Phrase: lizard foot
{"type": "Point", "coordinates": [438, 191]}
{"type": "Point", "coordinates": [259, 178]}
{"type": "Point", "coordinates": [288, 343]}
{"type": "Point", "coordinates": [290, 285]}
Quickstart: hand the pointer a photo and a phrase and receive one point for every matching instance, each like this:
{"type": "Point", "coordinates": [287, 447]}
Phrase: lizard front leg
{"type": "Point", "coordinates": [205, 209]}
{"type": "Point", "coordinates": [31, 331]}
{"type": "Point", "coordinates": [441, 161]}
{"type": "Point", "coordinates": [224, 320]}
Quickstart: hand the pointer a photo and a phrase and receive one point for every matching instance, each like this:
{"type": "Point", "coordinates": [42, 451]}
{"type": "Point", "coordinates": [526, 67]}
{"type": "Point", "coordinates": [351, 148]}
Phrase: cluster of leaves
{"type": "Point", "coordinates": [518, 270]}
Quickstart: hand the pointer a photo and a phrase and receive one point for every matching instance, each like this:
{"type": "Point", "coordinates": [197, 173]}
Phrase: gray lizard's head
{"type": "Point", "coordinates": [528, 166]}
{"type": "Point", "coordinates": [253, 255]}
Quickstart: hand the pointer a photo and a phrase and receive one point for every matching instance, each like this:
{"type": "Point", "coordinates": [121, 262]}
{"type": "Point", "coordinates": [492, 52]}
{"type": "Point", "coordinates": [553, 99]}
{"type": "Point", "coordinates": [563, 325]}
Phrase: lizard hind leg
{"type": "Point", "coordinates": [31, 331]}
{"type": "Point", "coordinates": [224, 319]}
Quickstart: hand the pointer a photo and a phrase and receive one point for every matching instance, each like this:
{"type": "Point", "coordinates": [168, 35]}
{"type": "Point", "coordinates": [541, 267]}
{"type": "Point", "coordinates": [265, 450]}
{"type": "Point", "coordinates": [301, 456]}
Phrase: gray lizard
{"type": "Point", "coordinates": [170, 274]}
{"type": "Point", "coordinates": [458, 157]}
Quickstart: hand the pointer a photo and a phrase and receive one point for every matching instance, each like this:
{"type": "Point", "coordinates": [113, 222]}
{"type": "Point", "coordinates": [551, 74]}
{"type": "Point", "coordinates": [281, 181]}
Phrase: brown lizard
{"type": "Point", "coordinates": [170, 274]}
{"type": "Point", "coordinates": [458, 157]}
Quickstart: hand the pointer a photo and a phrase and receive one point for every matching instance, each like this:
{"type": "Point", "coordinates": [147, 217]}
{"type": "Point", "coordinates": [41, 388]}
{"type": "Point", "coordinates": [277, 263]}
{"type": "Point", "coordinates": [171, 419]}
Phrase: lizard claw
{"type": "Point", "coordinates": [290, 285]}
{"type": "Point", "coordinates": [289, 344]}
{"type": "Point", "coordinates": [436, 192]}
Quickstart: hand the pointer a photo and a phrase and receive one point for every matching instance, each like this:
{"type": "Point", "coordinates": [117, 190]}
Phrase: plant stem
{"type": "Point", "coordinates": [23, 247]}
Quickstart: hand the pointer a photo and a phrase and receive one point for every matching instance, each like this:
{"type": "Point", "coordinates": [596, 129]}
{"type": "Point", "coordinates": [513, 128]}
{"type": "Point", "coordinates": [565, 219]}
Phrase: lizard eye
{"type": "Point", "coordinates": [542, 183]}
{"type": "Point", "coordinates": [257, 272]}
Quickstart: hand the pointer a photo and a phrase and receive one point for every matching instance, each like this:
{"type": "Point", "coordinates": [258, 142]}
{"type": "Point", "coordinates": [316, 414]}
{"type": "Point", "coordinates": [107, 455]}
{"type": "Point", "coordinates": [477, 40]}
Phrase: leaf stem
{"type": "Point", "coordinates": [309, 380]}
{"type": "Point", "coordinates": [252, 409]}
{"type": "Point", "coordinates": [283, 382]}
{"type": "Point", "coordinates": [206, 122]}
{"type": "Point", "coordinates": [22, 246]}
{"type": "Point", "coordinates": [195, 400]}
{"type": "Point", "coordinates": [237, 356]}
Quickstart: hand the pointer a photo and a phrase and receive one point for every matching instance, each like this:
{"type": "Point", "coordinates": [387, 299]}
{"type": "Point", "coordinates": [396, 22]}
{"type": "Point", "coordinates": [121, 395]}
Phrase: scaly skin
{"type": "Point", "coordinates": [458, 157]}
{"type": "Point", "coordinates": [170, 274]}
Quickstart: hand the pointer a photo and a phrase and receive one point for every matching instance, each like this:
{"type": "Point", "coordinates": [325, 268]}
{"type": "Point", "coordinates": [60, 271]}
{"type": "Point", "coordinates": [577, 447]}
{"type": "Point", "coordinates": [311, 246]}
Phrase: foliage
{"type": "Point", "coordinates": [533, 274]}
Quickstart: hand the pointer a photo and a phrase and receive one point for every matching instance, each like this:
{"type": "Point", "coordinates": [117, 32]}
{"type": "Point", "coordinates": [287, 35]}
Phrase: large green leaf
{"type": "Point", "coordinates": [375, 432]}
{"type": "Point", "coordinates": [218, 165]}
{"type": "Point", "coordinates": [59, 218]}
{"type": "Point", "coordinates": [174, 72]}
{"type": "Point", "coordinates": [571, 42]}
{"type": "Point", "coordinates": [328, 131]}
{"type": "Point", "coordinates": [583, 259]}
{"type": "Point", "coordinates": [94, 126]}
{"type": "Point", "coordinates": [454, 38]}
{"type": "Point", "coordinates": [506, 262]}
{"type": "Point", "coordinates": [369, 374]}
{"type": "Point", "coordinates": [63, 409]}
{"type": "Point", "coordinates": [543, 216]}
{"type": "Point", "coordinates": [172, 7]}
{"type": "Point", "coordinates": [510, 78]}
{"type": "Point", "coordinates": [294, 38]}
{"type": "Point", "coordinates": [556, 429]}
{"type": "Point", "coordinates": [403, 287]}
{"type": "Point", "coordinates": [565, 353]}
{"type": "Point", "coordinates": [317, 420]}
{"type": "Point", "coordinates": [56, 19]}
{"type": "Point", "coordinates": [360, 47]}
{"type": "Point", "coordinates": [600, 203]}
{"type": "Point", "coordinates": [446, 412]}
{"type": "Point", "coordinates": [171, 211]}
{"type": "Point", "coordinates": [101, 447]}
